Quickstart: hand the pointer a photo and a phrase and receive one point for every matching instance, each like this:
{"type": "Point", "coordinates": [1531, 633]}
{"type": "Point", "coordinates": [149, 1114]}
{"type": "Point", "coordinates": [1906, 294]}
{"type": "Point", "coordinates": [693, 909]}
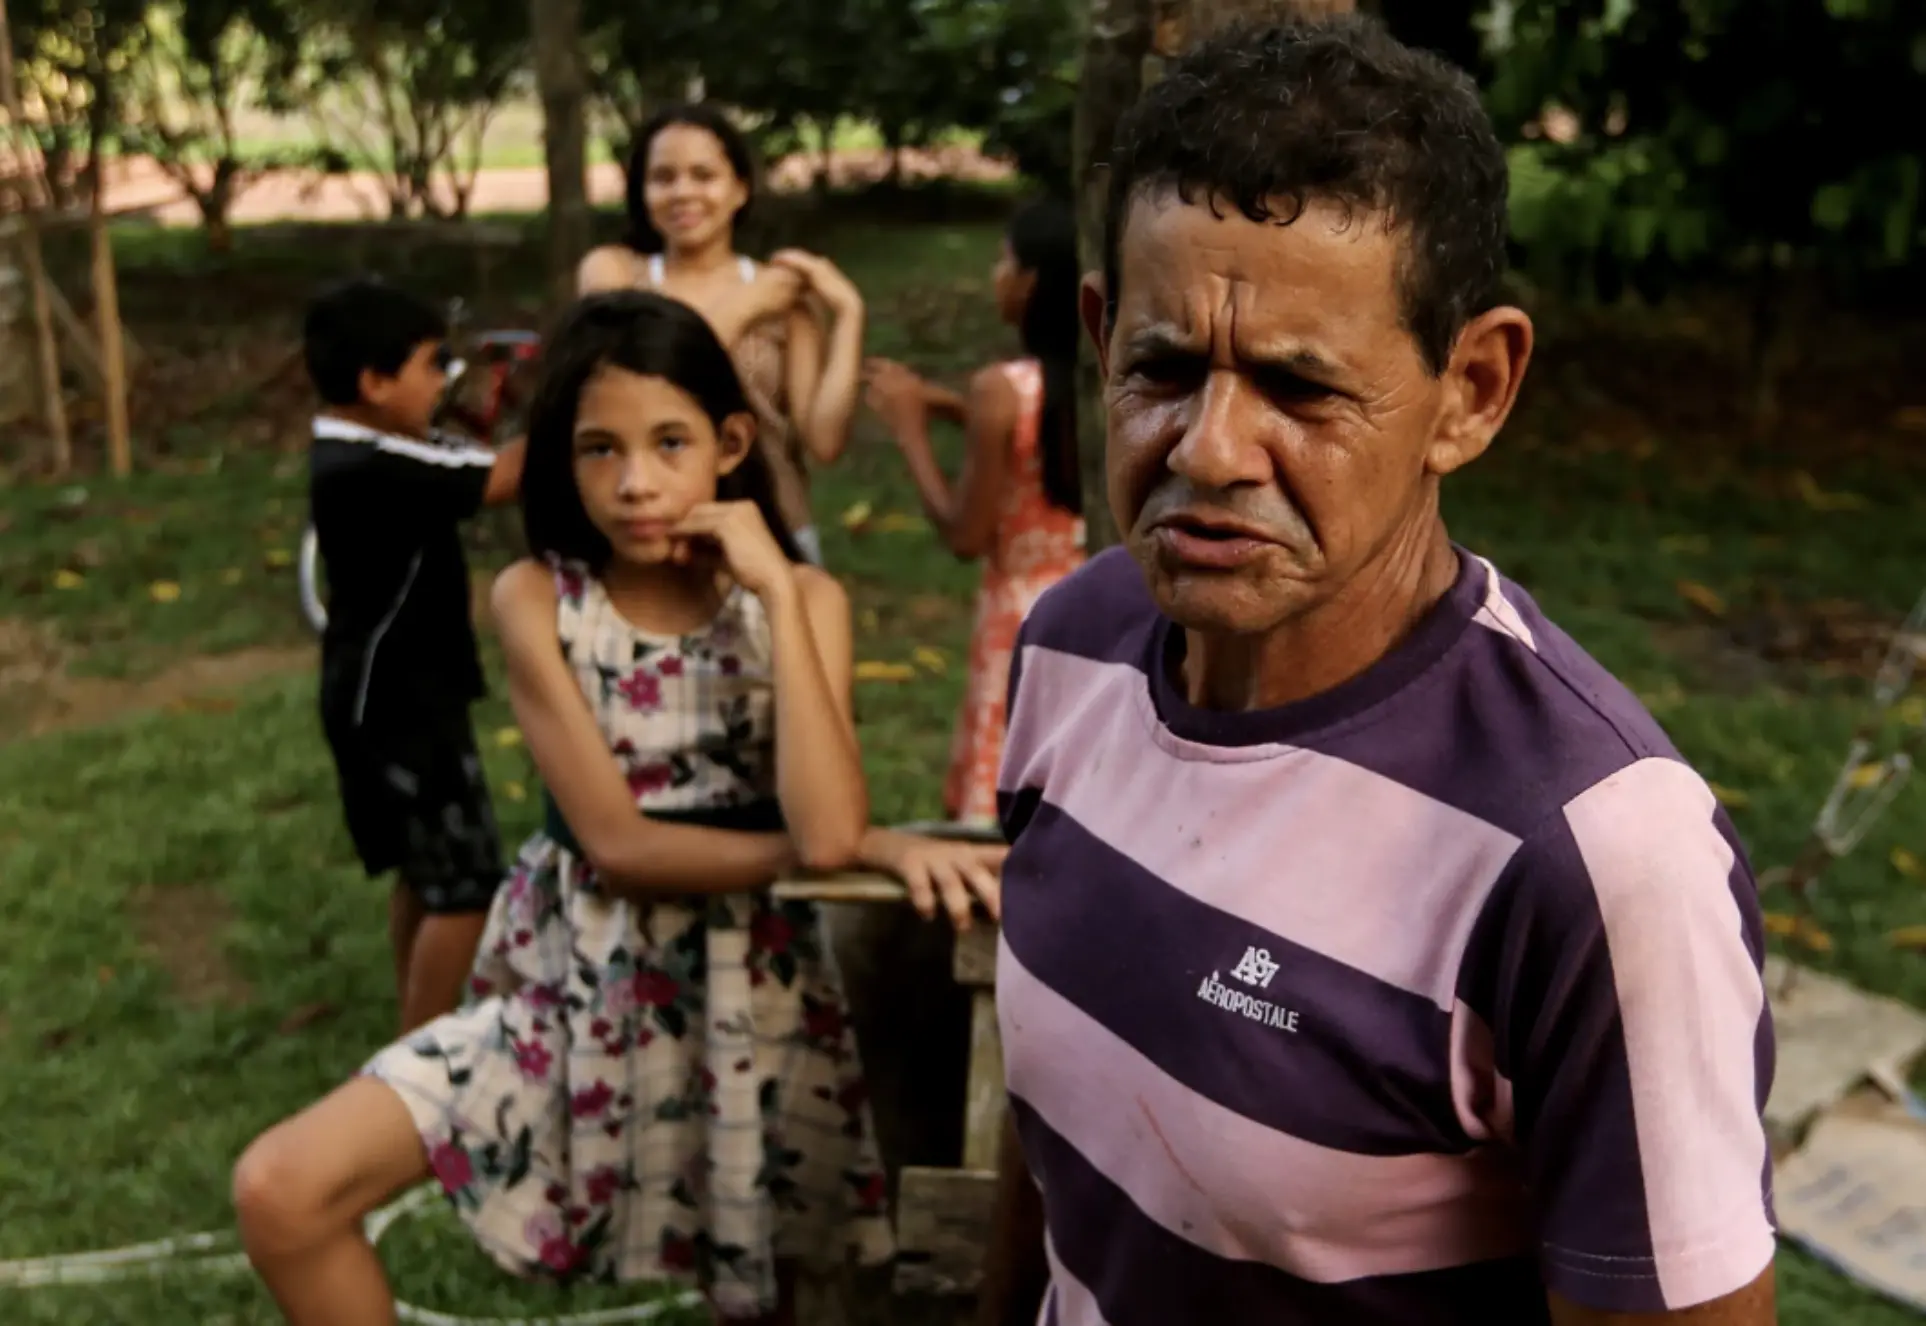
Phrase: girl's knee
{"type": "Point", "coordinates": [281, 1192]}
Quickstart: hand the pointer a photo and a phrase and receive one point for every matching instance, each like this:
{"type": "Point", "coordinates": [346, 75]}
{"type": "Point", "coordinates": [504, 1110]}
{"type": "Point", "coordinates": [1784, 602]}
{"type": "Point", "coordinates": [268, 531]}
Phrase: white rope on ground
{"type": "Point", "coordinates": [212, 1253]}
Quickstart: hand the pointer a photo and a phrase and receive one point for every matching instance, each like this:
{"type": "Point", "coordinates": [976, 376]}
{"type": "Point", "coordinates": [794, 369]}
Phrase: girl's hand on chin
{"type": "Point", "coordinates": [737, 531]}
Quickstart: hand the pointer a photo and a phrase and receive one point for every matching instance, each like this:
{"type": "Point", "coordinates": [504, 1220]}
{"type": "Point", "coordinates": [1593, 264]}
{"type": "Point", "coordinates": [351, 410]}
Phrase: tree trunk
{"type": "Point", "coordinates": [1126, 46]}
{"type": "Point", "coordinates": [561, 76]}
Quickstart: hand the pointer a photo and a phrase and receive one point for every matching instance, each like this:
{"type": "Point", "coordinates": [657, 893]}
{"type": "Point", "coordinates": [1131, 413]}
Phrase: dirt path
{"type": "Point", "coordinates": [39, 694]}
{"type": "Point", "coordinates": [137, 183]}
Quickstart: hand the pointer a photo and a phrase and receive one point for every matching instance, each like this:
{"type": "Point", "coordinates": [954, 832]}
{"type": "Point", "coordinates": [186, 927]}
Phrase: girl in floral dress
{"type": "Point", "coordinates": [655, 1078]}
{"type": "Point", "coordinates": [1018, 503]}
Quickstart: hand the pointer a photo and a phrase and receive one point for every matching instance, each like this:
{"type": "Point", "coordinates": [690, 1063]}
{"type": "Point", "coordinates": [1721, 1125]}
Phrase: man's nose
{"type": "Point", "coordinates": [1222, 444]}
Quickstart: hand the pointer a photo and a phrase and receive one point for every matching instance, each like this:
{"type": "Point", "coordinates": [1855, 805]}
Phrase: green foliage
{"type": "Point", "coordinates": [1716, 135]}
{"type": "Point", "coordinates": [915, 69]}
{"type": "Point", "coordinates": [197, 65]}
{"type": "Point", "coordinates": [411, 84]}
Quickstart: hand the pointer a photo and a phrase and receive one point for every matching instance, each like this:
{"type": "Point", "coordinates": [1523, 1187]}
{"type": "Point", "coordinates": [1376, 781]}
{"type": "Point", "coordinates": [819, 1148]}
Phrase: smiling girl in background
{"type": "Point", "coordinates": [794, 325]}
{"type": "Point", "coordinates": [656, 1078]}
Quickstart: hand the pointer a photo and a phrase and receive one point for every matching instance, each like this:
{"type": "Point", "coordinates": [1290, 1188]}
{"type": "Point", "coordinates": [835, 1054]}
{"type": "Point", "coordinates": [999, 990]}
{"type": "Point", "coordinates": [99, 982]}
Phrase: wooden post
{"type": "Point", "coordinates": [53, 405]}
{"type": "Point", "coordinates": [113, 353]}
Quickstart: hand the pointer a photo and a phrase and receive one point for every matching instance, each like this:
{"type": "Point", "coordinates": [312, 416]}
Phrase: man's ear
{"type": "Point", "coordinates": [1481, 384]}
{"type": "Point", "coordinates": [1091, 304]}
{"type": "Point", "coordinates": [736, 437]}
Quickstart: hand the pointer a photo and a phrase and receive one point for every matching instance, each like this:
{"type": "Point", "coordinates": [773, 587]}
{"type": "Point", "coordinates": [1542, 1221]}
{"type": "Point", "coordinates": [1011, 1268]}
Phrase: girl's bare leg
{"type": "Point", "coordinates": [301, 1191]}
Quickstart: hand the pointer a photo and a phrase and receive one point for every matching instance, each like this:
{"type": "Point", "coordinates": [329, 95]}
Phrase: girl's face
{"type": "Point", "coordinates": [645, 454]}
{"type": "Point", "coordinates": [691, 190]}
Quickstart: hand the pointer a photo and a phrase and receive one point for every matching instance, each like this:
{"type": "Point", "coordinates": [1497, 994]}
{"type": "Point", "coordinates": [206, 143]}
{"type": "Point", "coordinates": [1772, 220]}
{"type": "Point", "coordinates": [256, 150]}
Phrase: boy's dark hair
{"type": "Point", "coordinates": [643, 237]}
{"type": "Point", "coordinates": [359, 325]}
{"type": "Point", "coordinates": [1043, 240]}
{"type": "Point", "coordinates": [652, 335]}
{"type": "Point", "coordinates": [1270, 119]}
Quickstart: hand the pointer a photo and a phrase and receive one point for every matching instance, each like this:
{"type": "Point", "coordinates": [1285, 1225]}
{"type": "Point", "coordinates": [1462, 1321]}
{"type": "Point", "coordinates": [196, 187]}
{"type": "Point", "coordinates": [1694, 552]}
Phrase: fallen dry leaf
{"type": "Point", "coordinates": [874, 671]}
{"type": "Point", "coordinates": [857, 516]}
{"type": "Point", "coordinates": [306, 1016]}
{"type": "Point", "coordinates": [514, 791]}
{"type": "Point", "coordinates": [1685, 543]}
{"type": "Point", "coordinates": [65, 579]}
{"type": "Point", "coordinates": [164, 591]}
{"type": "Point", "coordinates": [1911, 710]}
{"type": "Point", "coordinates": [508, 736]}
{"type": "Point", "coordinates": [1905, 862]}
{"type": "Point", "coordinates": [1799, 929]}
{"type": "Point", "coordinates": [1730, 797]}
{"type": "Point", "coordinates": [231, 576]}
{"type": "Point", "coordinates": [1700, 597]}
{"type": "Point", "coordinates": [278, 557]}
{"type": "Point", "coordinates": [932, 660]}
{"type": "Point", "coordinates": [1908, 937]}
{"type": "Point", "coordinates": [895, 522]}
{"type": "Point", "coordinates": [1819, 499]}
{"type": "Point", "coordinates": [1865, 776]}
{"type": "Point", "coordinates": [868, 620]}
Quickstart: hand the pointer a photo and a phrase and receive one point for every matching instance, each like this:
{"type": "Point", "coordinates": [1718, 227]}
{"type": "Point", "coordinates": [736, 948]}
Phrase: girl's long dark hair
{"type": "Point", "coordinates": [652, 335]}
{"type": "Point", "coordinates": [1043, 240]}
{"type": "Point", "coordinates": [643, 237]}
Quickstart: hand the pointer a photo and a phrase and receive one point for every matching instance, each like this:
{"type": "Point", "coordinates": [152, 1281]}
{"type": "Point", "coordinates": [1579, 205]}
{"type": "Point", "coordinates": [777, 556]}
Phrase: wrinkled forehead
{"type": "Point", "coordinates": [1201, 268]}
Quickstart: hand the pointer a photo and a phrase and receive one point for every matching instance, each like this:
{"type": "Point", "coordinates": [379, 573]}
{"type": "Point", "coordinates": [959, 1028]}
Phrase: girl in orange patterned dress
{"type": "Point", "coordinates": [1018, 503]}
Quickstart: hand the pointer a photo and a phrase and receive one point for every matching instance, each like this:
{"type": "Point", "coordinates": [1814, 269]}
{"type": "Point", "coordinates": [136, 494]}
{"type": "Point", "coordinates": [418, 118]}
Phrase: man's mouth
{"type": "Point", "coordinates": [1208, 541]}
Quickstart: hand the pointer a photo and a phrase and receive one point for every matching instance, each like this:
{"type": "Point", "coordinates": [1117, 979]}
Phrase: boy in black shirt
{"type": "Point", "coordinates": [399, 665]}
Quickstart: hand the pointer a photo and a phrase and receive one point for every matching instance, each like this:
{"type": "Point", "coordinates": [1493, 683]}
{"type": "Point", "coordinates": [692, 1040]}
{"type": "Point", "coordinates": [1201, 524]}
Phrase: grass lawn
{"type": "Point", "coordinates": [192, 953]}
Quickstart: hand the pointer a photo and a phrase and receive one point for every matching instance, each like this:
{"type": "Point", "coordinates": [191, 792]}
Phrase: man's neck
{"type": "Point", "coordinates": [1326, 648]}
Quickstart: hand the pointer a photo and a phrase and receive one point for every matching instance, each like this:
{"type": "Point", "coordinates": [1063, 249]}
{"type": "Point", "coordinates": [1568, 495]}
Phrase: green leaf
{"type": "Point", "coordinates": [1832, 207]}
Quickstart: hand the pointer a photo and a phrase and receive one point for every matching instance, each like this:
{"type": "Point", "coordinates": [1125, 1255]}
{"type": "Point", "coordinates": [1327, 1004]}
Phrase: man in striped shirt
{"type": "Point", "coordinates": [1369, 954]}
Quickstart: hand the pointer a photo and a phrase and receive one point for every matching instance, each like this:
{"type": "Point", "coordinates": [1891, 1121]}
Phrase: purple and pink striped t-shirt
{"type": "Point", "coordinates": [1401, 1004]}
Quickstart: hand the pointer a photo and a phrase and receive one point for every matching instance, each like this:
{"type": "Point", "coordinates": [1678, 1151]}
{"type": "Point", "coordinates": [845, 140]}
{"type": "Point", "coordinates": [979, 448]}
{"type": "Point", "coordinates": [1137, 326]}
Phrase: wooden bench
{"type": "Point", "coordinates": [943, 1214]}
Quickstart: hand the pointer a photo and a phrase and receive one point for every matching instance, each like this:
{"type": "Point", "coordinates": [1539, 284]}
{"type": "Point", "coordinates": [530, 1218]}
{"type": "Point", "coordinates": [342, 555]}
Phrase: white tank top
{"type": "Point", "coordinates": [747, 266]}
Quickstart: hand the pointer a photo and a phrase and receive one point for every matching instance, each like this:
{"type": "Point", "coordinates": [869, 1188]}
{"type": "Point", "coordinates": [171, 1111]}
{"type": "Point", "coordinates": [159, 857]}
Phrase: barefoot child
{"type": "Point", "coordinates": [656, 1079]}
{"type": "Point", "coordinates": [398, 660]}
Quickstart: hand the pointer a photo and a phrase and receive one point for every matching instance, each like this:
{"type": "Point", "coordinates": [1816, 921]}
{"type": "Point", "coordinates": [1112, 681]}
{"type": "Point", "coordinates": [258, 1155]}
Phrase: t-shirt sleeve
{"type": "Point", "coordinates": [1618, 966]}
{"type": "Point", "coordinates": [434, 482]}
{"type": "Point", "coordinates": [1013, 810]}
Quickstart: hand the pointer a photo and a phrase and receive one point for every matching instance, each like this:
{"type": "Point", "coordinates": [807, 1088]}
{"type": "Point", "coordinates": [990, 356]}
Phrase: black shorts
{"type": "Point", "coordinates": [416, 801]}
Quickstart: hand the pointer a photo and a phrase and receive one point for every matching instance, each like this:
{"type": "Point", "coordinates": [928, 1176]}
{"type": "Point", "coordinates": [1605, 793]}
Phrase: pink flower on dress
{"type": "Point", "coordinates": [592, 1102]}
{"type": "Point", "coordinates": [451, 1166]}
{"type": "Point", "coordinates": [618, 997]}
{"type": "Point", "coordinates": [822, 1022]}
{"type": "Point", "coordinates": [669, 665]}
{"type": "Point", "coordinates": [729, 665]}
{"type": "Point", "coordinates": [603, 1182]}
{"type": "Point", "coordinates": [642, 689]}
{"type": "Point", "coordinates": [571, 584]}
{"type": "Point", "coordinates": [533, 1058]}
{"type": "Point", "coordinates": [655, 989]}
{"type": "Point", "coordinates": [771, 933]}
{"type": "Point", "coordinates": [545, 996]}
{"type": "Point", "coordinates": [647, 778]}
{"type": "Point", "coordinates": [678, 1253]}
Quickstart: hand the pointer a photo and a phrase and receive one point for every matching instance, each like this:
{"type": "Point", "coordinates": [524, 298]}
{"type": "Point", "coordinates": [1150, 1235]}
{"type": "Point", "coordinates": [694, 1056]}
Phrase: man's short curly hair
{"type": "Point", "coordinates": [1269, 119]}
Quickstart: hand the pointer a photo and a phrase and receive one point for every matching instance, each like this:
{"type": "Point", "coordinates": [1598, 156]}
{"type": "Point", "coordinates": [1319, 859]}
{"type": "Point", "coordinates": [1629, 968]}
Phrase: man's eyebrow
{"type": "Point", "coordinates": [1297, 359]}
{"type": "Point", "coordinates": [1162, 340]}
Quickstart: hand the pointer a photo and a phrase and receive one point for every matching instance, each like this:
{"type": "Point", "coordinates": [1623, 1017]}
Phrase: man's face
{"type": "Point", "coordinates": [1271, 424]}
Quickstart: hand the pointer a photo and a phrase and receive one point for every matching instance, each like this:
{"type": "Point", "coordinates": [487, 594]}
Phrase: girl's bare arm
{"type": "Point", "coordinates": [631, 854]}
{"type": "Point", "coordinates": [819, 768]}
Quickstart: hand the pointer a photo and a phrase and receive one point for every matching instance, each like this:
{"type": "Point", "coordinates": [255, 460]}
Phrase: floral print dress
{"type": "Point", "coordinates": [1037, 544]}
{"type": "Point", "coordinates": [665, 1089]}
